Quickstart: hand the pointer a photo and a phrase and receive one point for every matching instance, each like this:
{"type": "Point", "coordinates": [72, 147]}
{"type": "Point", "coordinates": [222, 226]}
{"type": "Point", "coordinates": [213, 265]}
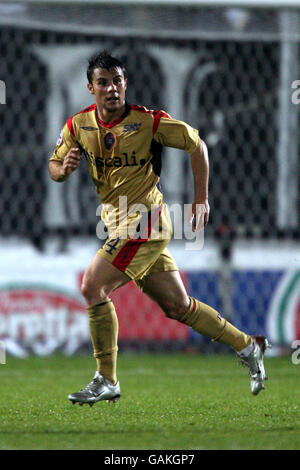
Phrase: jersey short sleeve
{"type": "Point", "coordinates": [64, 143]}
{"type": "Point", "coordinates": [178, 134]}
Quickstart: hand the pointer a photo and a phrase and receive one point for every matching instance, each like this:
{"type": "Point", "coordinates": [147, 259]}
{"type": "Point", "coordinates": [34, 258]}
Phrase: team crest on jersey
{"type": "Point", "coordinates": [59, 140]}
{"type": "Point", "coordinates": [109, 140]}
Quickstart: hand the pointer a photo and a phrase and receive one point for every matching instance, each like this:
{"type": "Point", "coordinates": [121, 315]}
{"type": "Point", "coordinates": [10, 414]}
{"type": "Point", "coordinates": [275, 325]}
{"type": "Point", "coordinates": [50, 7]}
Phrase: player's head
{"type": "Point", "coordinates": [104, 60]}
{"type": "Point", "coordinates": [107, 80]}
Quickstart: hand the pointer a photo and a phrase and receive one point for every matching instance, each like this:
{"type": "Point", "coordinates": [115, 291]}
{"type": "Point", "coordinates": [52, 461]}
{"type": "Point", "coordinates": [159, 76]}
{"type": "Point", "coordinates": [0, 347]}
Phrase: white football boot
{"type": "Point", "coordinates": [255, 363]}
{"type": "Point", "coordinates": [97, 390]}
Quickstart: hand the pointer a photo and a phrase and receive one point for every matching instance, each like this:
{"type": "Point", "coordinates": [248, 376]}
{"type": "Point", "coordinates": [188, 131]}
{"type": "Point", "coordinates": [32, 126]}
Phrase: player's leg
{"type": "Point", "coordinates": [167, 290]}
{"type": "Point", "coordinates": [99, 280]}
{"type": "Point", "coordinates": [116, 263]}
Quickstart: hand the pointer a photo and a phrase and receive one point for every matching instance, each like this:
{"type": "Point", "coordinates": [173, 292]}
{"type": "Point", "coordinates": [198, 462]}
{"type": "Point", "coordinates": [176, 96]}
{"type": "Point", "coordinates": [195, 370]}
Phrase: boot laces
{"type": "Point", "coordinates": [92, 386]}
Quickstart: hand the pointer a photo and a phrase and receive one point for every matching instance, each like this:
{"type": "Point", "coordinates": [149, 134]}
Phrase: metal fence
{"type": "Point", "coordinates": [228, 72]}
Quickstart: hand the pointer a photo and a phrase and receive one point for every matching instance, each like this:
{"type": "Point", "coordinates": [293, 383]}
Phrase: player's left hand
{"type": "Point", "coordinates": [200, 214]}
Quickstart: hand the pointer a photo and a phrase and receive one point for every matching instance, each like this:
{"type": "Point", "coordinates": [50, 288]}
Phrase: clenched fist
{"type": "Point", "coordinates": [71, 161]}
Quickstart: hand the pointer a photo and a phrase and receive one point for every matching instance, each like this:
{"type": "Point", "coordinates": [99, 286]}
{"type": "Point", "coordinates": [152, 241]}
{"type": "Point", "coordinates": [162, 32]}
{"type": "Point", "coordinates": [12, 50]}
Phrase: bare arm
{"type": "Point", "coordinates": [60, 171]}
{"type": "Point", "coordinates": [200, 167]}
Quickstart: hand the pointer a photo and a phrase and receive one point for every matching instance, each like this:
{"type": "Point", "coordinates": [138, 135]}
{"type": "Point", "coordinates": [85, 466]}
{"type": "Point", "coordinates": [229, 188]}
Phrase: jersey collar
{"type": "Point", "coordinates": [116, 121]}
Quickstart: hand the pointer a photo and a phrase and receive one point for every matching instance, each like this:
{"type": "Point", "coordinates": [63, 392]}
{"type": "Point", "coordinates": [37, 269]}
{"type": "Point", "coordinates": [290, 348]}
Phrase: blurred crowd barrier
{"type": "Point", "coordinates": [42, 310]}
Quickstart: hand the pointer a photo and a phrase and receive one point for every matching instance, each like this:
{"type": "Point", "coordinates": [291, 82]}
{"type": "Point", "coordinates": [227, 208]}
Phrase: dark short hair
{"type": "Point", "coordinates": [103, 60]}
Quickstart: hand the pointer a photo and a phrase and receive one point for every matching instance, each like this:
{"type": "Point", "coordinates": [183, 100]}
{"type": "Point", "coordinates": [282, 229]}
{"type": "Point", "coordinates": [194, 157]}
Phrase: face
{"type": "Point", "coordinates": [109, 87]}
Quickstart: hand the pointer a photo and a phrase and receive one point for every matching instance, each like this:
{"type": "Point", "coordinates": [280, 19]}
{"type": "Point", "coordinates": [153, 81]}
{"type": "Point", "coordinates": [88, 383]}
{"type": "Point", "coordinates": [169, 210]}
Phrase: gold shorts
{"type": "Point", "coordinates": [138, 257]}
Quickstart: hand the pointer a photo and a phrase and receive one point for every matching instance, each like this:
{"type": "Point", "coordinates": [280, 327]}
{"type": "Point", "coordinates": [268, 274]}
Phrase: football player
{"type": "Point", "coordinates": [122, 144]}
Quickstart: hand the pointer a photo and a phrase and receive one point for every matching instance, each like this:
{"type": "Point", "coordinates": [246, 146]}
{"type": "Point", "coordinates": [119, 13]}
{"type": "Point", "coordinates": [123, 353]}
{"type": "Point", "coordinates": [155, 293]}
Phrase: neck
{"type": "Point", "coordinates": [110, 116]}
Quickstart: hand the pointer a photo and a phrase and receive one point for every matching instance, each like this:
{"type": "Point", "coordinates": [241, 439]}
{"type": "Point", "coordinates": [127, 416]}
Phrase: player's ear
{"type": "Point", "coordinates": [91, 88]}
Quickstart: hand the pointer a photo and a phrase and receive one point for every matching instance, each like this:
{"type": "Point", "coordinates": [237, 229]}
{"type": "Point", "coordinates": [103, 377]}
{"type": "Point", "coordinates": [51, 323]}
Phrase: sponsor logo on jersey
{"type": "Point", "coordinates": [132, 127]}
{"type": "Point", "coordinates": [109, 140]}
{"type": "Point", "coordinates": [89, 128]}
{"type": "Point", "coordinates": [118, 161]}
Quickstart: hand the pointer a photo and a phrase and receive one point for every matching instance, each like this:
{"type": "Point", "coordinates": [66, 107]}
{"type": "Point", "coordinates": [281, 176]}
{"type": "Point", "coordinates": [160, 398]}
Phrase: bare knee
{"type": "Point", "coordinates": [100, 279]}
{"type": "Point", "coordinates": [176, 308]}
{"type": "Point", "coordinates": [94, 294]}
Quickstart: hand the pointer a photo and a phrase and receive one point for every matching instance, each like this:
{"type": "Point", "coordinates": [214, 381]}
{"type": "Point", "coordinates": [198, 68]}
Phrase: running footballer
{"type": "Point", "coordinates": [122, 143]}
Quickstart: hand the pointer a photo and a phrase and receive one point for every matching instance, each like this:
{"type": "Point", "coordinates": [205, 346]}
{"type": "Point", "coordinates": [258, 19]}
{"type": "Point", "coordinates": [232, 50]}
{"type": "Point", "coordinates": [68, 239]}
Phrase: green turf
{"type": "Point", "coordinates": [168, 402]}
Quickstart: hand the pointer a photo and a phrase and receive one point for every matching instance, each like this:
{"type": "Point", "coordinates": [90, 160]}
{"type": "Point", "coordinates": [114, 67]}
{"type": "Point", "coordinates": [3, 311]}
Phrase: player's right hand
{"type": "Point", "coordinates": [71, 161]}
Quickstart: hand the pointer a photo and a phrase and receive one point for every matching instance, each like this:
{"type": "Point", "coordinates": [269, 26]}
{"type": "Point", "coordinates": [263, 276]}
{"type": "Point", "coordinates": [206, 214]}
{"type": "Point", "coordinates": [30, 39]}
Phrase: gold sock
{"type": "Point", "coordinates": [104, 329]}
{"type": "Point", "coordinates": [208, 322]}
{"type": "Point", "coordinates": [107, 366]}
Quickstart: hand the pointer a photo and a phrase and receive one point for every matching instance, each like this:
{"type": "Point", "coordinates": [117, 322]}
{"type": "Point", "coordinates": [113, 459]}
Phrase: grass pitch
{"type": "Point", "coordinates": [168, 402]}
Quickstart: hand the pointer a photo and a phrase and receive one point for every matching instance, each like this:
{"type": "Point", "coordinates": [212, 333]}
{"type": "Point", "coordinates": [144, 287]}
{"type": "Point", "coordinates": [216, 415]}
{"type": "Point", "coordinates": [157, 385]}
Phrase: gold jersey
{"type": "Point", "coordinates": [124, 156]}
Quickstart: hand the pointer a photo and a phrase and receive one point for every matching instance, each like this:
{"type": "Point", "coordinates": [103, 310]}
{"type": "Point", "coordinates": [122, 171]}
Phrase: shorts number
{"type": "Point", "coordinates": [112, 245]}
